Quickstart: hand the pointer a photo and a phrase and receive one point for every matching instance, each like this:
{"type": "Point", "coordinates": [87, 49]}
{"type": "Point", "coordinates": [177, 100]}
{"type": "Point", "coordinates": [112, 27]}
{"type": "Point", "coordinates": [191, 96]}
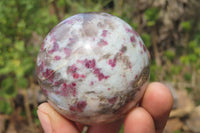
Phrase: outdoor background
{"type": "Point", "coordinates": [169, 28]}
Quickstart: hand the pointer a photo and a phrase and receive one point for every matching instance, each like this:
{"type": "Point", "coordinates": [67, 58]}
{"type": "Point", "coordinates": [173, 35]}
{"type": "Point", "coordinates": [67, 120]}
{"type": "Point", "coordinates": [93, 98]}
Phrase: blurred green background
{"type": "Point", "coordinates": [170, 30]}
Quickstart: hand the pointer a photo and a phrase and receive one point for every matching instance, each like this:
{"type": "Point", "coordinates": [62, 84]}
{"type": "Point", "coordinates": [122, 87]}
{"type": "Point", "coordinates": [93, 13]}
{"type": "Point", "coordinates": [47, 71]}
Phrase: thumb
{"type": "Point", "coordinates": [52, 122]}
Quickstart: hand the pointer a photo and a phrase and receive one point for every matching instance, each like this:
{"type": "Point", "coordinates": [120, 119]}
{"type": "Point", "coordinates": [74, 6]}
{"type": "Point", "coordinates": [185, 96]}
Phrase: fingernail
{"type": "Point", "coordinates": [45, 121]}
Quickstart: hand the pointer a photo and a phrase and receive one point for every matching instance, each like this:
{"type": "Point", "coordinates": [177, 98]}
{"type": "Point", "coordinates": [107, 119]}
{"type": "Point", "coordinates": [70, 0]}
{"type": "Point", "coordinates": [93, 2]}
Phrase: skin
{"type": "Point", "coordinates": [150, 117]}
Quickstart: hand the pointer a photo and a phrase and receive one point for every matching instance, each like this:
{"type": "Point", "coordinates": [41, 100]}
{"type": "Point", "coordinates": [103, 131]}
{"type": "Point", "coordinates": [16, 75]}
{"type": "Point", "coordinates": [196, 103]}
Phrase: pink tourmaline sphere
{"type": "Point", "coordinates": [93, 68]}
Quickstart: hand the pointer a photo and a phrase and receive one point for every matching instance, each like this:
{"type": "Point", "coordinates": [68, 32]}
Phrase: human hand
{"type": "Point", "coordinates": [150, 117]}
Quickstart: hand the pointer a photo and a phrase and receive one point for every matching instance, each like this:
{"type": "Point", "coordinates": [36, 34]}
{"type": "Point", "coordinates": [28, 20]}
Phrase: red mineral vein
{"type": "Point", "coordinates": [67, 52]}
{"type": "Point", "coordinates": [67, 89]}
{"type": "Point", "coordinates": [91, 64]}
{"type": "Point", "coordinates": [112, 62]}
{"type": "Point", "coordinates": [104, 33]}
{"type": "Point", "coordinates": [132, 38]}
{"type": "Point", "coordinates": [78, 107]}
{"type": "Point", "coordinates": [48, 74]}
{"type": "Point", "coordinates": [57, 58]}
{"type": "Point", "coordinates": [102, 43]}
{"type": "Point", "coordinates": [112, 100]}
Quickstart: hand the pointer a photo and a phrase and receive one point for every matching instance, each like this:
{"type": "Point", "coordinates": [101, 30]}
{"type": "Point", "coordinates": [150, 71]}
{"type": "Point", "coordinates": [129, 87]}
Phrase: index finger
{"type": "Point", "coordinates": [158, 101]}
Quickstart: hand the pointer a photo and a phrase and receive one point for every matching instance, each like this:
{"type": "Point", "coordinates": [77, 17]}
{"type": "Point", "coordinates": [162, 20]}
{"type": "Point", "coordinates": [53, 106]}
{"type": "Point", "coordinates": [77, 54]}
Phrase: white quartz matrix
{"type": "Point", "coordinates": [93, 68]}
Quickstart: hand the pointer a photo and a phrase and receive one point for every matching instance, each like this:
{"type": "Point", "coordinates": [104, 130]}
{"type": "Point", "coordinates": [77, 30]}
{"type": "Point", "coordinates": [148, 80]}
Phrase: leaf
{"type": "Point", "coordinates": [192, 44]}
{"type": "Point", "coordinates": [176, 69]}
{"type": "Point", "coordinates": [192, 58]}
{"type": "Point", "coordinates": [5, 107]}
{"type": "Point", "coordinates": [178, 131]}
{"type": "Point", "coordinates": [7, 83]}
{"type": "Point", "coordinates": [21, 24]}
{"type": "Point", "coordinates": [151, 15]}
{"type": "Point", "coordinates": [19, 46]}
{"type": "Point", "coordinates": [147, 39]}
{"type": "Point", "coordinates": [28, 68]}
{"type": "Point", "coordinates": [7, 88]}
{"type": "Point", "coordinates": [22, 83]}
{"type": "Point", "coordinates": [169, 54]}
{"type": "Point", "coordinates": [16, 62]}
{"type": "Point", "coordinates": [187, 76]}
{"type": "Point", "coordinates": [151, 23]}
{"type": "Point", "coordinates": [5, 70]}
{"type": "Point", "coordinates": [134, 25]}
{"type": "Point", "coordinates": [121, 129]}
{"type": "Point", "coordinates": [186, 25]}
{"type": "Point", "coordinates": [189, 89]}
{"type": "Point", "coordinates": [184, 60]}
{"type": "Point", "coordinates": [19, 72]}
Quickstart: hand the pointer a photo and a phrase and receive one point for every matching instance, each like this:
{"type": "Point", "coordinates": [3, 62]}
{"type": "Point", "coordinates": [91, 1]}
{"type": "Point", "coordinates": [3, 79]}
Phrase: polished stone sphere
{"type": "Point", "coordinates": [93, 68]}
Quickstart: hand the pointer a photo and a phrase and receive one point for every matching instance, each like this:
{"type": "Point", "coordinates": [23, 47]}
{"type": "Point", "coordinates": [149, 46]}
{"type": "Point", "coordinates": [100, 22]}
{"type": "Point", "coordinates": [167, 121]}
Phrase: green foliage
{"type": "Point", "coordinates": [186, 25]}
{"type": "Point", "coordinates": [147, 39]}
{"type": "Point", "coordinates": [178, 131]}
{"type": "Point", "coordinates": [175, 69]}
{"type": "Point", "coordinates": [152, 15]}
{"type": "Point", "coordinates": [189, 89]}
{"type": "Point", "coordinates": [169, 54]}
{"type": "Point", "coordinates": [154, 70]}
{"type": "Point", "coordinates": [198, 103]}
{"type": "Point", "coordinates": [193, 55]}
{"type": "Point", "coordinates": [36, 119]}
{"type": "Point", "coordinates": [7, 88]}
{"type": "Point", "coordinates": [18, 20]}
{"type": "Point", "coordinates": [135, 26]}
{"type": "Point", "coordinates": [5, 107]}
{"type": "Point", "coordinates": [187, 76]}
{"type": "Point", "coordinates": [78, 6]}
{"type": "Point", "coordinates": [122, 129]}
